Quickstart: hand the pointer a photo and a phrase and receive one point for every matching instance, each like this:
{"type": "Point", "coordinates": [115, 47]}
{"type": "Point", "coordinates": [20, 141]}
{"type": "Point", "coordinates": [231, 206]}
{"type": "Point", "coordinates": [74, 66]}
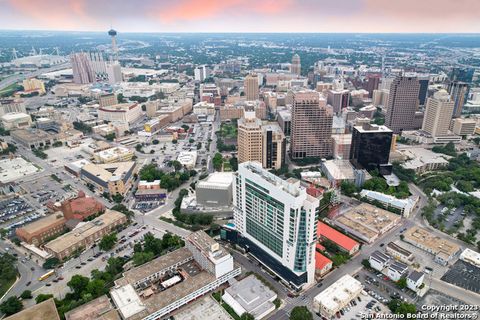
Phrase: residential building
{"type": "Point", "coordinates": [402, 103]}
{"type": "Point", "coordinates": [273, 146]}
{"type": "Point", "coordinates": [402, 206]}
{"type": "Point", "coordinates": [380, 97]}
{"type": "Point", "coordinates": [395, 250]}
{"type": "Point", "coordinates": [251, 296]}
{"type": "Point", "coordinates": [122, 112]}
{"type": "Point", "coordinates": [337, 296]}
{"type": "Point", "coordinates": [38, 232]}
{"type": "Point", "coordinates": [45, 310]}
{"type": "Point", "coordinates": [378, 260]}
{"type": "Point", "coordinates": [370, 148]}
{"type": "Point", "coordinates": [415, 280]}
{"type": "Point", "coordinates": [250, 85]}
{"type": "Point", "coordinates": [216, 190]}
{"type": "Point", "coordinates": [443, 250]}
{"type": "Point", "coordinates": [114, 178]}
{"type": "Point", "coordinates": [9, 105]}
{"type": "Point", "coordinates": [249, 138]}
{"type": "Point", "coordinates": [461, 126]}
{"type": "Point", "coordinates": [296, 66]}
{"type": "Point", "coordinates": [156, 288]}
{"type": "Point", "coordinates": [373, 80]}
{"type": "Point", "coordinates": [397, 270]}
{"type": "Point", "coordinates": [16, 120]}
{"type": "Point", "coordinates": [311, 131]}
{"type": "Point", "coordinates": [338, 99]}
{"type": "Point", "coordinates": [276, 221]}
{"type": "Point", "coordinates": [323, 265]}
{"type": "Point", "coordinates": [366, 222]}
{"type": "Point", "coordinates": [85, 234]}
{"type": "Point", "coordinates": [325, 232]}
{"type": "Point", "coordinates": [438, 114]}
{"type": "Point", "coordinates": [201, 73]}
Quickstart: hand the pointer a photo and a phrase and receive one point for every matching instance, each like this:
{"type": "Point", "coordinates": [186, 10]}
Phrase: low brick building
{"type": "Point", "coordinates": [40, 231]}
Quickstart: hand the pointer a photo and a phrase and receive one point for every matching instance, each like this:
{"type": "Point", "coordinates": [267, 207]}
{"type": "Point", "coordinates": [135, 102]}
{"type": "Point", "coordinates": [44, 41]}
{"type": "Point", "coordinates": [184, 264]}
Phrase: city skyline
{"type": "Point", "coordinates": [360, 16]}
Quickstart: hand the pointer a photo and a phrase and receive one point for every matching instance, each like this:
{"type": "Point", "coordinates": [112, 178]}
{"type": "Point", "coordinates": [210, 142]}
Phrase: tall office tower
{"type": "Point", "coordinates": [276, 221]}
{"type": "Point", "coordinates": [370, 148]}
{"type": "Point", "coordinates": [250, 85]}
{"type": "Point", "coordinates": [82, 70]}
{"type": "Point", "coordinates": [273, 146]}
{"type": "Point", "coordinates": [373, 80]}
{"type": "Point", "coordinates": [459, 92]}
{"type": "Point", "coordinates": [462, 74]}
{"type": "Point", "coordinates": [98, 65]}
{"type": "Point", "coordinates": [338, 99]}
{"type": "Point", "coordinates": [438, 114]}
{"type": "Point", "coordinates": [380, 97]}
{"type": "Point", "coordinates": [424, 80]}
{"type": "Point", "coordinates": [296, 66]}
{"type": "Point", "coordinates": [402, 103]}
{"type": "Point", "coordinates": [249, 138]}
{"type": "Point", "coordinates": [114, 72]}
{"type": "Point", "coordinates": [201, 73]}
{"type": "Point", "coordinates": [385, 83]}
{"type": "Point", "coordinates": [311, 128]}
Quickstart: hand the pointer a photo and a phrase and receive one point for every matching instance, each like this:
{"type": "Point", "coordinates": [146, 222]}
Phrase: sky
{"type": "Point", "coordinates": [370, 16]}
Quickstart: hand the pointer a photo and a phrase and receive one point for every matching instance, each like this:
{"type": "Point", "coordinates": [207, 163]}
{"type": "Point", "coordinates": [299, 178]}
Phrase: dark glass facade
{"type": "Point", "coordinates": [371, 149]}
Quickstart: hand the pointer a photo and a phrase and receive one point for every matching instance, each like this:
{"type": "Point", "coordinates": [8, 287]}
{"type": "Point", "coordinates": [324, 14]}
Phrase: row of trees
{"type": "Point", "coordinates": [153, 247]}
{"type": "Point", "coordinates": [169, 181]}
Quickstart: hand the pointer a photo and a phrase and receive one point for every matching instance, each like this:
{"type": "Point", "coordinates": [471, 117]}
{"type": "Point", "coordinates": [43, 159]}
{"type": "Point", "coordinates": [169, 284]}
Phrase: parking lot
{"type": "Point", "coordinates": [45, 189]}
{"type": "Point", "coordinates": [383, 290]}
{"type": "Point", "coordinates": [146, 206]}
{"type": "Point", "coordinates": [16, 211]}
{"type": "Point", "coordinates": [362, 305]}
{"type": "Point", "coordinates": [449, 216]}
{"type": "Point", "coordinates": [464, 275]}
{"type": "Point", "coordinates": [435, 298]}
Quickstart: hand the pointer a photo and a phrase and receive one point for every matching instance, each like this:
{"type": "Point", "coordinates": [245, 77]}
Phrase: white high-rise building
{"type": "Point", "coordinates": [201, 73]}
{"type": "Point", "coordinates": [114, 72]}
{"type": "Point", "coordinates": [277, 222]}
{"type": "Point", "coordinates": [438, 114]}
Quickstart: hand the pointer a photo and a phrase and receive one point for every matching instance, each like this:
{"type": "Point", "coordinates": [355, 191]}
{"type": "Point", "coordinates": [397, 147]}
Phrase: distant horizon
{"type": "Point", "coordinates": [235, 32]}
{"type": "Point", "coordinates": [245, 16]}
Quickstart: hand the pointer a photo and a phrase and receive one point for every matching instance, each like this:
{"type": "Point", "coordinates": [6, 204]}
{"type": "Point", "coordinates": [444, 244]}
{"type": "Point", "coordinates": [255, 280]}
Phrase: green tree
{"type": "Point", "coordinates": [155, 141]}
{"type": "Point", "coordinates": [108, 242]}
{"type": "Point", "coordinates": [11, 306]}
{"type": "Point", "coordinates": [43, 297]}
{"type": "Point", "coordinates": [399, 307]}
{"type": "Point", "coordinates": [140, 258]}
{"type": "Point", "coordinates": [247, 316]}
{"type": "Point", "coordinates": [402, 283]}
{"type": "Point", "coordinates": [110, 136]}
{"type": "Point", "coordinates": [217, 161]}
{"type": "Point", "coordinates": [26, 294]}
{"type": "Point", "coordinates": [300, 313]}
{"type": "Point", "coordinates": [348, 188]}
{"type": "Point", "coordinates": [78, 284]}
{"type": "Point", "coordinates": [233, 163]}
{"type": "Point", "coordinates": [96, 287]}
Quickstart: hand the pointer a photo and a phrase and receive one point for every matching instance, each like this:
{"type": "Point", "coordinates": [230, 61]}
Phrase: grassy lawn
{"type": "Point", "coordinates": [4, 286]}
{"type": "Point", "coordinates": [9, 90]}
{"type": "Point", "coordinates": [228, 131]}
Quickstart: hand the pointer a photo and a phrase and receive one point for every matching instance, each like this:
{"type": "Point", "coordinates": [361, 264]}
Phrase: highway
{"type": "Point", "coordinates": [20, 77]}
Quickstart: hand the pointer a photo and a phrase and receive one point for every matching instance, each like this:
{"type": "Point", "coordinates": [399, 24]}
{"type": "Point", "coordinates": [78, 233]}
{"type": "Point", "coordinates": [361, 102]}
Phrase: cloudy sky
{"type": "Point", "coordinates": [243, 15]}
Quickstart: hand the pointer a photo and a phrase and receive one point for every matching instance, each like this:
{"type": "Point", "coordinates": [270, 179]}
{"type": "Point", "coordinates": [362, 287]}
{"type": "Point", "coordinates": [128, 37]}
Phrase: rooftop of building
{"type": "Point", "coordinates": [398, 266]}
{"type": "Point", "coordinates": [45, 310]}
{"type": "Point", "coordinates": [367, 219]}
{"type": "Point", "coordinates": [120, 107]}
{"type": "Point", "coordinates": [324, 230]}
{"type": "Point", "coordinates": [372, 128]}
{"type": "Point", "coordinates": [97, 309]}
{"type": "Point", "coordinates": [395, 247]}
{"type": "Point", "coordinates": [84, 230]}
{"type": "Point", "coordinates": [339, 292]}
{"type": "Point", "coordinates": [14, 116]}
{"type": "Point", "coordinates": [393, 201]}
{"type": "Point", "coordinates": [113, 152]}
{"type": "Point", "coordinates": [32, 134]}
{"type": "Point", "coordinates": [339, 169]}
{"type": "Point", "coordinates": [415, 275]}
{"type": "Point", "coordinates": [418, 157]}
{"type": "Point", "coordinates": [109, 171]}
{"type": "Point", "coordinates": [471, 256]}
{"type": "Point", "coordinates": [426, 239]}
{"type": "Point", "coordinates": [209, 247]}
{"type": "Point", "coordinates": [252, 295]}
{"type": "Point", "coordinates": [217, 179]}
{"type": "Point", "coordinates": [205, 308]}
{"type": "Point", "coordinates": [320, 260]}
{"type": "Point", "coordinates": [15, 169]}
{"type": "Point", "coordinates": [379, 256]}
{"type": "Point", "coordinates": [149, 268]}
{"type": "Point", "coordinates": [44, 223]}
{"type": "Point", "coordinates": [82, 204]}
{"type": "Point", "coordinates": [290, 186]}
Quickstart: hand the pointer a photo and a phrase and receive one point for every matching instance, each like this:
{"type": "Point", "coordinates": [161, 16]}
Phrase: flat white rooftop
{"type": "Point", "coordinates": [15, 169]}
